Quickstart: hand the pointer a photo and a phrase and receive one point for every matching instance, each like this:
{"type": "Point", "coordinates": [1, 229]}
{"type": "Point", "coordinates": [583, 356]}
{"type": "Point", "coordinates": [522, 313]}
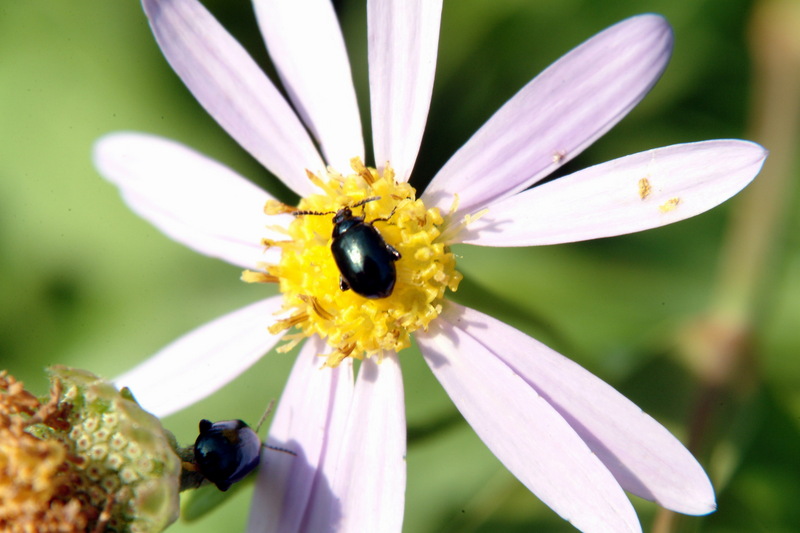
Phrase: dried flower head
{"type": "Point", "coordinates": [89, 458]}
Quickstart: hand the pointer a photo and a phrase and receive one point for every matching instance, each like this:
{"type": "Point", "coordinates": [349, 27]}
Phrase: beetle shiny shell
{"type": "Point", "coordinates": [364, 259]}
{"type": "Point", "coordinates": [226, 451]}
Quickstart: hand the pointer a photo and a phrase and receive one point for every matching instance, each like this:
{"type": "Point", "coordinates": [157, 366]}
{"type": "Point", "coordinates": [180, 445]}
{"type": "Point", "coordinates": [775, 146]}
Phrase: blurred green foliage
{"type": "Point", "coordinates": [86, 283]}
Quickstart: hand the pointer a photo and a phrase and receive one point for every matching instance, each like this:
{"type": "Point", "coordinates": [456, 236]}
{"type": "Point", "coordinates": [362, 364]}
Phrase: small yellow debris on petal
{"type": "Point", "coordinates": [644, 188]}
{"type": "Point", "coordinates": [669, 205]}
{"type": "Point", "coordinates": [559, 156]}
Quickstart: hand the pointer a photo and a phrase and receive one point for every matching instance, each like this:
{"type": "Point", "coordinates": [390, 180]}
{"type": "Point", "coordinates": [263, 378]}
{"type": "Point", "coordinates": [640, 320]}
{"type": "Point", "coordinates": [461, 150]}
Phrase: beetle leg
{"type": "Point", "coordinates": [343, 285]}
{"type": "Point", "coordinates": [383, 219]}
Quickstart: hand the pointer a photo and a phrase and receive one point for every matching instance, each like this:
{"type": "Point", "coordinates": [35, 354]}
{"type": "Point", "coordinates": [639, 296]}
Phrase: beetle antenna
{"type": "Point", "coordinates": [357, 204]}
{"type": "Point", "coordinates": [299, 213]}
{"type": "Point", "coordinates": [365, 200]}
{"type": "Point", "coordinates": [263, 418]}
{"type": "Point", "coordinates": [278, 449]}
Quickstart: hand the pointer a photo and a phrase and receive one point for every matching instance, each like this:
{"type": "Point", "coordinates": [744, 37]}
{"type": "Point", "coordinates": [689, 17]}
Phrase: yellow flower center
{"type": "Point", "coordinates": [352, 324]}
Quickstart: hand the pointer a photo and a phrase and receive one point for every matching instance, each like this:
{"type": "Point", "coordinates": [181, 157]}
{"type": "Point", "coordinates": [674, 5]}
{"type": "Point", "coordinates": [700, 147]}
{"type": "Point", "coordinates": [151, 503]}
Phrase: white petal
{"type": "Point", "coordinates": [311, 415]}
{"type": "Point", "coordinates": [633, 193]}
{"type": "Point", "coordinates": [307, 48]}
{"type": "Point", "coordinates": [646, 459]}
{"type": "Point", "coordinates": [403, 40]}
{"type": "Point", "coordinates": [193, 199]}
{"type": "Point", "coordinates": [233, 89]}
{"type": "Point", "coordinates": [558, 114]}
{"type": "Point", "coordinates": [370, 475]}
{"type": "Point", "coordinates": [524, 431]}
{"type": "Point", "coordinates": [204, 360]}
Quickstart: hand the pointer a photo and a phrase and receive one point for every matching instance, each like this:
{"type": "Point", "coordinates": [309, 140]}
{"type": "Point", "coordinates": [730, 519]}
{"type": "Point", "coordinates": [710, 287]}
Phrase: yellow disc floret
{"type": "Point", "coordinates": [351, 324]}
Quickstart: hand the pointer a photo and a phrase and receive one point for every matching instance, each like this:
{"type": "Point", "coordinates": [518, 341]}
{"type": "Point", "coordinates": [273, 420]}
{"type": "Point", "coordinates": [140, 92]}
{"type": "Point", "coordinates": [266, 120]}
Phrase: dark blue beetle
{"type": "Point", "coordinates": [226, 451]}
{"type": "Point", "coordinates": [365, 260]}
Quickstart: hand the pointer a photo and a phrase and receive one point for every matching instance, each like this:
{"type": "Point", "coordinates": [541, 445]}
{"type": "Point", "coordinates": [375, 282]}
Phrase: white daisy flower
{"type": "Point", "coordinates": [569, 437]}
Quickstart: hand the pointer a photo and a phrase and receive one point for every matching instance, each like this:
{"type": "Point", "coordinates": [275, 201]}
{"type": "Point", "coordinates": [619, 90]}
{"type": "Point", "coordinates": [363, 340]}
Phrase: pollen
{"type": "Point", "coordinates": [644, 188]}
{"type": "Point", "coordinates": [314, 302]}
{"type": "Point", "coordinates": [669, 205]}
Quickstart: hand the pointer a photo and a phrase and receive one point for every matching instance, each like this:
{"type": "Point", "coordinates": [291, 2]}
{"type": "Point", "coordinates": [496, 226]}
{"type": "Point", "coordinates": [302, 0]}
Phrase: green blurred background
{"type": "Point", "coordinates": [86, 283]}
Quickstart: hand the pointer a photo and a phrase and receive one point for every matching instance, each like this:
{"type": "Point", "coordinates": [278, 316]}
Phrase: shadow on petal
{"type": "Point", "coordinates": [282, 464]}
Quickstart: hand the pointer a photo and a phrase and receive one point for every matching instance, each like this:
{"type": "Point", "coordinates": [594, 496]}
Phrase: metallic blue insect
{"type": "Point", "coordinates": [365, 260]}
{"type": "Point", "coordinates": [226, 451]}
